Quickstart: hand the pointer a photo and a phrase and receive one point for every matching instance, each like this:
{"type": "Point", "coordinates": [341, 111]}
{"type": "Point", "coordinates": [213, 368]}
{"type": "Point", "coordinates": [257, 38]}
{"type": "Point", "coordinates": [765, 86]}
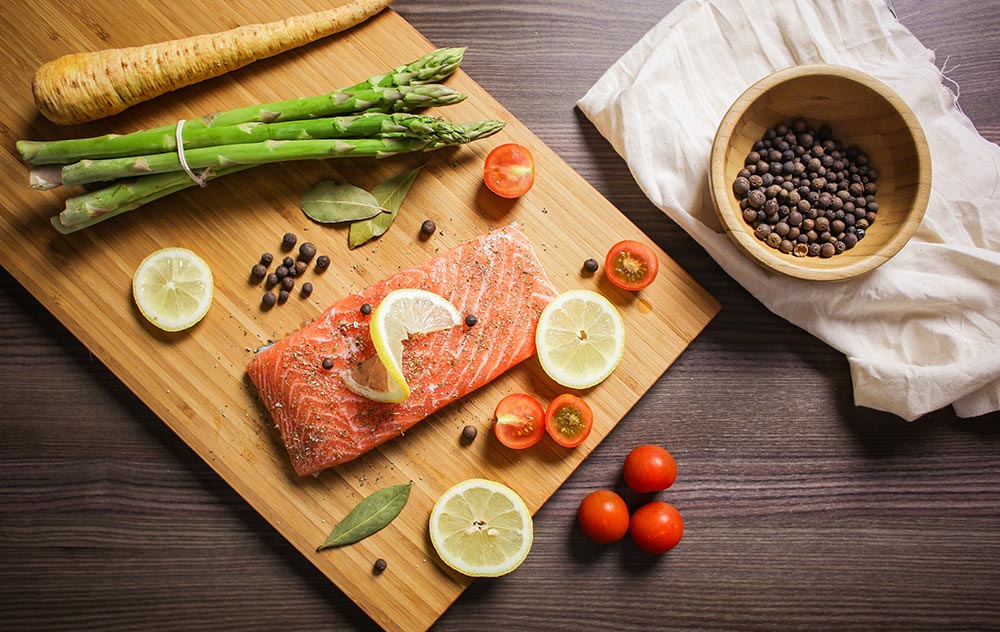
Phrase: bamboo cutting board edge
{"type": "Point", "coordinates": [18, 260]}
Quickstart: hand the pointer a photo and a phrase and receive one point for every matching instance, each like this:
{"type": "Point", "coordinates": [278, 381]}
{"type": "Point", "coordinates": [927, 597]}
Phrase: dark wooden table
{"type": "Point", "coordinates": [803, 512]}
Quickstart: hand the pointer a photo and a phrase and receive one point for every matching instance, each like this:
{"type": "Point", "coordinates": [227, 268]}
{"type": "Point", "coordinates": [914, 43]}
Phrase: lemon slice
{"type": "Point", "coordinates": [481, 528]}
{"type": "Point", "coordinates": [580, 338]}
{"type": "Point", "coordinates": [401, 313]}
{"type": "Point", "coordinates": [173, 288]}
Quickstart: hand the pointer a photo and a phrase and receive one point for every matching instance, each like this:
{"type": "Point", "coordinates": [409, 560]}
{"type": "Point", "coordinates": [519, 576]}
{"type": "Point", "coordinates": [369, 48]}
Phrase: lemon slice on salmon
{"type": "Point", "coordinates": [580, 338]}
{"type": "Point", "coordinates": [401, 314]}
{"type": "Point", "coordinates": [173, 288]}
{"type": "Point", "coordinates": [481, 528]}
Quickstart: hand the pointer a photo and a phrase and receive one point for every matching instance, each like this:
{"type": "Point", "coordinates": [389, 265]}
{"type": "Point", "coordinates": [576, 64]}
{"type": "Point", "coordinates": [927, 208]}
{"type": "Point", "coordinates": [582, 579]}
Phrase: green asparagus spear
{"type": "Point", "coordinates": [154, 142]}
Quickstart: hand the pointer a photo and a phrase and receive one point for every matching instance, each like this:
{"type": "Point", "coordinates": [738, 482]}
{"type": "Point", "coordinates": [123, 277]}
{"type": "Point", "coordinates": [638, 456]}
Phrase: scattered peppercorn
{"type": "Point", "coordinates": [281, 272]}
{"type": "Point", "coordinates": [268, 299]}
{"type": "Point", "coordinates": [307, 289]}
{"type": "Point", "coordinates": [282, 296]}
{"type": "Point", "coordinates": [801, 187]}
{"type": "Point", "coordinates": [287, 283]}
{"type": "Point", "coordinates": [288, 241]}
{"type": "Point", "coordinates": [266, 259]}
{"type": "Point", "coordinates": [327, 363]}
{"type": "Point", "coordinates": [470, 321]}
{"type": "Point", "coordinates": [380, 565]}
{"type": "Point", "coordinates": [288, 262]}
{"type": "Point", "coordinates": [428, 227]}
{"type": "Point", "coordinates": [300, 268]}
{"type": "Point", "coordinates": [307, 251]}
{"type": "Point", "coordinates": [469, 434]}
{"type": "Point", "coordinates": [272, 280]}
{"type": "Point", "coordinates": [322, 262]}
{"type": "Point", "coordinates": [366, 308]}
{"type": "Point", "coordinates": [590, 265]}
{"type": "Point", "coordinates": [258, 272]}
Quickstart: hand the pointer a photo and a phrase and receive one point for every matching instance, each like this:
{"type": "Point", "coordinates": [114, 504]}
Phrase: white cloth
{"type": "Point", "coordinates": [923, 330]}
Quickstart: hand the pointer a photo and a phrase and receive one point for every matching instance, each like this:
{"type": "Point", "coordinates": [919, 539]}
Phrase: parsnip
{"type": "Point", "coordinates": [87, 86]}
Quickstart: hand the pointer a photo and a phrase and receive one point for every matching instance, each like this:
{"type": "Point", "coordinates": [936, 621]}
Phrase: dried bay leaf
{"type": "Point", "coordinates": [330, 202]}
{"type": "Point", "coordinates": [390, 195]}
{"type": "Point", "coordinates": [370, 515]}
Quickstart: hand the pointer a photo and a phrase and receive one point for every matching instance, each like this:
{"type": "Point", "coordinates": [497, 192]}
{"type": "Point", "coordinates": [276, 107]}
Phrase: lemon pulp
{"type": "Point", "coordinates": [580, 339]}
{"type": "Point", "coordinates": [172, 288]}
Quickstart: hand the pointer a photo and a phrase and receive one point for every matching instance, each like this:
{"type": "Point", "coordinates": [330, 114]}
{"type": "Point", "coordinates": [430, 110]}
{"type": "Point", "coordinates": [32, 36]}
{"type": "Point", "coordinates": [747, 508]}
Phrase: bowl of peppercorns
{"type": "Point", "coordinates": [820, 172]}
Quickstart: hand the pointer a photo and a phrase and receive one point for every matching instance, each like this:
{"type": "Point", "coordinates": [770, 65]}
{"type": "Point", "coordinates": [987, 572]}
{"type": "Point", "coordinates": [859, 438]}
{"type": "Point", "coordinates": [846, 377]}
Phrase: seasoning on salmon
{"type": "Point", "coordinates": [497, 277]}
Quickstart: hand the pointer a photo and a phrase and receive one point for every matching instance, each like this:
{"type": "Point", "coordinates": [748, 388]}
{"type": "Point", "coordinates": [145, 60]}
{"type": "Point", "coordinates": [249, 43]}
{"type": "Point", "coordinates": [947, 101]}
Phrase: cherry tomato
{"type": "Point", "coordinates": [649, 468]}
{"type": "Point", "coordinates": [509, 170]}
{"type": "Point", "coordinates": [656, 527]}
{"type": "Point", "coordinates": [603, 516]}
{"type": "Point", "coordinates": [631, 265]}
{"type": "Point", "coordinates": [519, 421]}
{"type": "Point", "coordinates": [568, 419]}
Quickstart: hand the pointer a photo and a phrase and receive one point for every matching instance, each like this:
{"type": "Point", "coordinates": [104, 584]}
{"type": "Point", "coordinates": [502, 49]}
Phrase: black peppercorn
{"type": "Point", "coordinates": [366, 308]}
{"type": "Point", "coordinates": [307, 289]}
{"type": "Point", "coordinates": [470, 321]}
{"type": "Point", "coordinates": [266, 259]}
{"type": "Point", "coordinates": [268, 300]}
{"type": "Point", "coordinates": [327, 363]}
{"type": "Point", "coordinates": [756, 198]}
{"type": "Point", "coordinates": [428, 227]}
{"type": "Point", "coordinates": [380, 565]}
{"type": "Point", "coordinates": [300, 268]}
{"type": "Point", "coordinates": [322, 262]}
{"type": "Point", "coordinates": [469, 433]}
{"type": "Point", "coordinates": [749, 215]}
{"type": "Point", "coordinates": [762, 231]}
{"type": "Point", "coordinates": [741, 186]}
{"type": "Point", "coordinates": [258, 272]}
{"type": "Point", "coordinates": [282, 296]}
{"type": "Point", "coordinates": [307, 251]}
{"type": "Point", "coordinates": [281, 272]}
{"type": "Point", "coordinates": [774, 240]}
{"type": "Point", "coordinates": [288, 262]}
{"type": "Point", "coordinates": [272, 280]}
{"type": "Point", "coordinates": [288, 241]}
{"type": "Point", "coordinates": [287, 283]}
{"type": "Point", "coordinates": [827, 250]}
{"type": "Point", "coordinates": [591, 265]}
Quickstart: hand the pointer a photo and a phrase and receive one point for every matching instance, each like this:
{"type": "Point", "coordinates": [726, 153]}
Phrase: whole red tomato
{"type": "Point", "coordinates": [649, 468]}
{"type": "Point", "coordinates": [656, 527]}
{"type": "Point", "coordinates": [603, 516]}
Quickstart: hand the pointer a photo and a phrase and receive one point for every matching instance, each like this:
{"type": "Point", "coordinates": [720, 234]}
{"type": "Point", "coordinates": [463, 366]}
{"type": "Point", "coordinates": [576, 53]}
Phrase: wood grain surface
{"type": "Point", "coordinates": [802, 510]}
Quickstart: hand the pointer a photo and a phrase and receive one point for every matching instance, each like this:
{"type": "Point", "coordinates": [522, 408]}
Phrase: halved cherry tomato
{"type": "Point", "coordinates": [603, 516]}
{"type": "Point", "coordinates": [631, 265]}
{"type": "Point", "coordinates": [509, 170]}
{"type": "Point", "coordinates": [519, 421]}
{"type": "Point", "coordinates": [568, 420]}
{"type": "Point", "coordinates": [656, 527]}
{"type": "Point", "coordinates": [649, 468]}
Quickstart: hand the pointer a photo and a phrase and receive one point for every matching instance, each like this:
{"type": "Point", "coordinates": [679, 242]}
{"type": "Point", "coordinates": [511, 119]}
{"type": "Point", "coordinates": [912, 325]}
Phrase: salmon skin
{"type": "Point", "coordinates": [497, 278]}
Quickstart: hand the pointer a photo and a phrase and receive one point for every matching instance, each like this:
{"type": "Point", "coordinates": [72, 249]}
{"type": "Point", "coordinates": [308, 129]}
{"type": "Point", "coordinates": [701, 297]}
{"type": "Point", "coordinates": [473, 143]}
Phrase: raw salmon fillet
{"type": "Point", "coordinates": [497, 278]}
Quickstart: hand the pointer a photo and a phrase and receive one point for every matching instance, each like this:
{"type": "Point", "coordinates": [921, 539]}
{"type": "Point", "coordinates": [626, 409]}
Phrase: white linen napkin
{"type": "Point", "coordinates": [921, 331]}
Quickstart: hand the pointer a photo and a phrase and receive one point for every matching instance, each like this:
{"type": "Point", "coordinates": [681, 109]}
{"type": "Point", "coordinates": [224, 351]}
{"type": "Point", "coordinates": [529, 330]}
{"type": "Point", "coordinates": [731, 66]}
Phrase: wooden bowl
{"type": "Point", "coordinates": [861, 111]}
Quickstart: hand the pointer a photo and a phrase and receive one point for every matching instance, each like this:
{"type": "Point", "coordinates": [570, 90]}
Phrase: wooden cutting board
{"type": "Point", "coordinates": [195, 381]}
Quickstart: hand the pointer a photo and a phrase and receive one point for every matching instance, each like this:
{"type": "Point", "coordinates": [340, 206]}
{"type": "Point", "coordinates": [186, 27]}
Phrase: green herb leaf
{"type": "Point", "coordinates": [372, 514]}
{"type": "Point", "coordinates": [390, 195]}
{"type": "Point", "coordinates": [330, 202]}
